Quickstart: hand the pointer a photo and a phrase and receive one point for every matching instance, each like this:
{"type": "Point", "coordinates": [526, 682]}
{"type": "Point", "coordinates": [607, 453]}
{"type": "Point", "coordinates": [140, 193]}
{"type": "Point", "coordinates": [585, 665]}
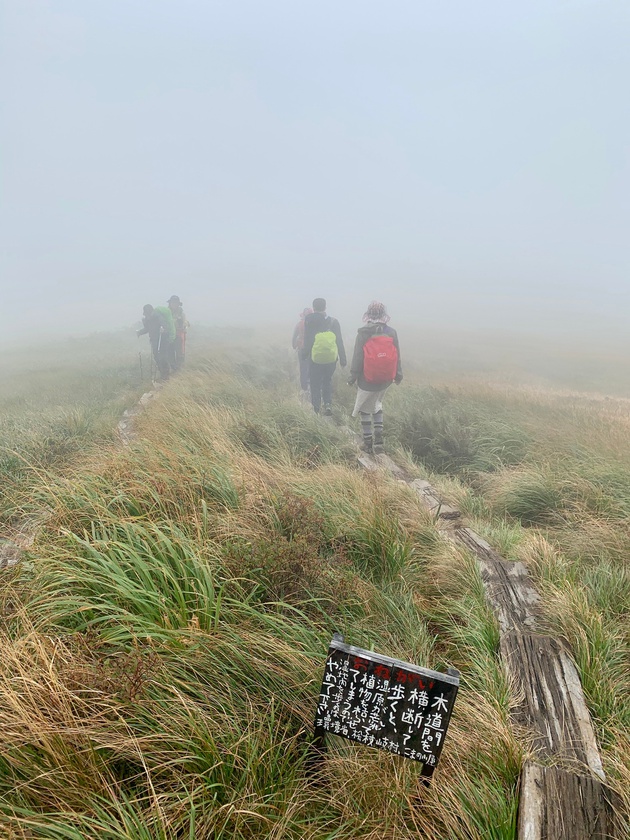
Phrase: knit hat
{"type": "Point", "coordinates": [376, 311]}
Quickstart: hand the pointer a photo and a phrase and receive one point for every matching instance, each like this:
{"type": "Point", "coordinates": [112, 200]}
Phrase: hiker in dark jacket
{"type": "Point", "coordinates": [298, 345]}
{"type": "Point", "coordinates": [323, 345]}
{"type": "Point", "coordinates": [375, 365]}
{"type": "Point", "coordinates": [161, 333]}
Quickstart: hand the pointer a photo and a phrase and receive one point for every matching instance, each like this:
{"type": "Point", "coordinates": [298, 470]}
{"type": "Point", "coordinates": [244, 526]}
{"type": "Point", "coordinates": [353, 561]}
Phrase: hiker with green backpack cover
{"type": "Point", "coordinates": [323, 346]}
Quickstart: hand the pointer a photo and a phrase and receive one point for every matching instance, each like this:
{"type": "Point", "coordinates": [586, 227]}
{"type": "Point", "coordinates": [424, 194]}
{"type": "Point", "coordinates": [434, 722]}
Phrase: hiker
{"type": "Point", "coordinates": [375, 365]}
{"type": "Point", "coordinates": [298, 345]}
{"type": "Point", "coordinates": [159, 324]}
{"type": "Point", "coordinates": [323, 345]}
{"type": "Point", "coordinates": [181, 327]}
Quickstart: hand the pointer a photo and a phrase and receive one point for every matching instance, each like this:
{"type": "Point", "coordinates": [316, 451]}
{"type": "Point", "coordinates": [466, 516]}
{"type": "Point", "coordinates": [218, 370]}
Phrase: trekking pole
{"type": "Point", "coordinates": [140, 358]}
{"type": "Point", "coordinates": [157, 356]}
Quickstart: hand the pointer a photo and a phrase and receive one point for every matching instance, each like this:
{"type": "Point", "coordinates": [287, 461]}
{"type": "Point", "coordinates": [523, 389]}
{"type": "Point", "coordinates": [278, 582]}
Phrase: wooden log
{"type": "Point", "coordinates": [556, 804]}
{"type": "Point", "coordinates": [392, 467]}
{"type": "Point", "coordinates": [566, 802]}
{"type": "Point", "coordinates": [430, 499]}
{"type": "Point", "coordinates": [508, 585]}
{"type": "Point", "coordinates": [552, 706]}
{"type": "Point", "coordinates": [9, 553]}
{"type": "Point", "coordinates": [367, 462]}
{"type": "Point", "coordinates": [382, 462]}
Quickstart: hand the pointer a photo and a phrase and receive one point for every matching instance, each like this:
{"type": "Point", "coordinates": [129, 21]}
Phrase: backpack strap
{"type": "Point", "coordinates": [327, 326]}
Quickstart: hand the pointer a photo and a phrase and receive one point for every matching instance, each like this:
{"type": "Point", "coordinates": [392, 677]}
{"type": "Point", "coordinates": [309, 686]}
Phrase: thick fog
{"type": "Point", "coordinates": [467, 163]}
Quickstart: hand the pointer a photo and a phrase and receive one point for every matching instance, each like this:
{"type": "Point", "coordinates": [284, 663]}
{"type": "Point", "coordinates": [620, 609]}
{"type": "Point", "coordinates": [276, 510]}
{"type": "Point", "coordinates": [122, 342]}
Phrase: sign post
{"type": "Point", "coordinates": [385, 703]}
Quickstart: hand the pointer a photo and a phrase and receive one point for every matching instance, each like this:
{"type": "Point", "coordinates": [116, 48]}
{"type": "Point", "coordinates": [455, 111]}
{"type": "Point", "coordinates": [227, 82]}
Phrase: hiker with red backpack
{"type": "Point", "coordinates": [323, 345]}
{"type": "Point", "coordinates": [375, 365]}
{"type": "Point", "coordinates": [178, 347]}
{"type": "Point", "coordinates": [298, 345]}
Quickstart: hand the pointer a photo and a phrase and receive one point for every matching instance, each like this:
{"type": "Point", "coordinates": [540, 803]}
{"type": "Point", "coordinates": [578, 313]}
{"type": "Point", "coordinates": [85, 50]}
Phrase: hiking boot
{"type": "Point", "coordinates": [328, 410]}
{"type": "Point", "coordinates": [379, 449]}
{"type": "Point", "coordinates": [378, 442]}
{"type": "Point", "coordinates": [366, 446]}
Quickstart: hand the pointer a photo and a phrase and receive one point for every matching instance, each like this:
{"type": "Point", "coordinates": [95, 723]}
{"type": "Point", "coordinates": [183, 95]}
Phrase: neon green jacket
{"type": "Point", "coordinates": [169, 321]}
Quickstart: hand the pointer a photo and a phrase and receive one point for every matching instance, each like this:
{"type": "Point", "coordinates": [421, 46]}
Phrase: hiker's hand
{"type": "Point", "coordinates": [352, 380]}
{"type": "Point", "coordinates": [343, 366]}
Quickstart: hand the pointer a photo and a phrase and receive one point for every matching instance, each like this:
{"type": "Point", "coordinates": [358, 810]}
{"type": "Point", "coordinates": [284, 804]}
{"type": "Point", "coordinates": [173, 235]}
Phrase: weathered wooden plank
{"type": "Point", "coordinates": [556, 804]}
{"type": "Point", "coordinates": [386, 463]}
{"type": "Point", "coordinates": [567, 801]}
{"type": "Point", "coordinates": [9, 553]}
{"type": "Point", "coordinates": [126, 424]}
{"type": "Point", "coordinates": [552, 703]}
{"type": "Point", "coordinates": [383, 462]}
{"type": "Point", "coordinates": [367, 462]}
{"type": "Point", "coordinates": [508, 585]}
{"type": "Point", "coordinates": [430, 499]}
{"type": "Point", "coordinates": [21, 538]}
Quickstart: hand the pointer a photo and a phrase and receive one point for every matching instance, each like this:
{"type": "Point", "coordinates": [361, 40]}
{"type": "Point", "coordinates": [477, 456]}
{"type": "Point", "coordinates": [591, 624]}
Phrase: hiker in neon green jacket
{"type": "Point", "coordinates": [323, 345]}
{"type": "Point", "coordinates": [160, 326]}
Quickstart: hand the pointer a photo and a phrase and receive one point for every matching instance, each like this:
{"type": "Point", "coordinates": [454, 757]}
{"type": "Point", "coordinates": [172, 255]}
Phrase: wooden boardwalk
{"type": "Point", "coordinates": [563, 791]}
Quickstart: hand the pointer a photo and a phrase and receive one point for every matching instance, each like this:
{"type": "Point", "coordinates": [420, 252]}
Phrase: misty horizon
{"type": "Point", "coordinates": [466, 165]}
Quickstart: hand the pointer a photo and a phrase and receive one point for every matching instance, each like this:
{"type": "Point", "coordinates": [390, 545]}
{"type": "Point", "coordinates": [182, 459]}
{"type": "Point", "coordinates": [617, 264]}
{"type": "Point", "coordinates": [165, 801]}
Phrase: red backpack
{"type": "Point", "coordinates": [380, 359]}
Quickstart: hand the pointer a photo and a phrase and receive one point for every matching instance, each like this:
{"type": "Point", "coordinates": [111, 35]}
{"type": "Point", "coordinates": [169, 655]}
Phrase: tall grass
{"type": "Point", "coordinates": [563, 507]}
{"type": "Point", "coordinates": [451, 434]}
{"type": "Point", "coordinates": [164, 643]}
{"type": "Point", "coordinates": [55, 402]}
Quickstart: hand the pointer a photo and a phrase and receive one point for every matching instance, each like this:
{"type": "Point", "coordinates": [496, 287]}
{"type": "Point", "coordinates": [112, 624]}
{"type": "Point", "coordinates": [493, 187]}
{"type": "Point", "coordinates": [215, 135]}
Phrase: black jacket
{"type": "Point", "coordinates": [318, 322]}
{"type": "Point", "coordinates": [155, 324]}
{"type": "Point", "coordinates": [356, 368]}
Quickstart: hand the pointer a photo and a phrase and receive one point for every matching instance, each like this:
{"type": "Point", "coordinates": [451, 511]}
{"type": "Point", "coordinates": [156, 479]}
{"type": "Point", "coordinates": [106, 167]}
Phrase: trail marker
{"type": "Point", "coordinates": [385, 703]}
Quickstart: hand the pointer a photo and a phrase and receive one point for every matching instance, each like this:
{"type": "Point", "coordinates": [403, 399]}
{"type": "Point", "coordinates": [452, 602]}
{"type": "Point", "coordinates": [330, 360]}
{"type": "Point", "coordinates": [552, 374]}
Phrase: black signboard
{"type": "Point", "coordinates": [385, 703]}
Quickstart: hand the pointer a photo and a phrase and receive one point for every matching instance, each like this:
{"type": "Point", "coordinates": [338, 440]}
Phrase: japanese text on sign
{"type": "Point", "coordinates": [385, 703]}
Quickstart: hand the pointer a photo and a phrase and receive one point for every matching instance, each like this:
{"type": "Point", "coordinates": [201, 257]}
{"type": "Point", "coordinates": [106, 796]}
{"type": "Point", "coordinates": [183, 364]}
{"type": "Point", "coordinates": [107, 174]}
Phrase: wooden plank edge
{"type": "Point", "coordinates": [430, 499]}
{"type": "Point", "coordinates": [556, 804]}
{"type": "Point", "coordinates": [551, 706]}
{"type": "Point", "coordinates": [575, 697]}
{"type": "Point", "coordinates": [509, 587]}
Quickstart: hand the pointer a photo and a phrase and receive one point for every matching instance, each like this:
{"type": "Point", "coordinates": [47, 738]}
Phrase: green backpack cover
{"type": "Point", "coordinates": [325, 346]}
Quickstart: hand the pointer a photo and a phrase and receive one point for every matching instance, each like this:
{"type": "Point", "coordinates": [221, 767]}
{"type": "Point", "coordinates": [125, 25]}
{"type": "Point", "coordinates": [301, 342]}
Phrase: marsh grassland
{"type": "Point", "coordinates": [163, 640]}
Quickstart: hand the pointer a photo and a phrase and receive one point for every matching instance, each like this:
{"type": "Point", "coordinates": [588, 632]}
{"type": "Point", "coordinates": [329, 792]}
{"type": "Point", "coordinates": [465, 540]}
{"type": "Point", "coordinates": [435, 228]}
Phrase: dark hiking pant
{"type": "Point", "coordinates": [305, 369]}
{"type": "Point", "coordinates": [321, 384]}
{"type": "Point", "coordinates": [178, 351]}
{"type": "Point", "coordinates": [162, 353]}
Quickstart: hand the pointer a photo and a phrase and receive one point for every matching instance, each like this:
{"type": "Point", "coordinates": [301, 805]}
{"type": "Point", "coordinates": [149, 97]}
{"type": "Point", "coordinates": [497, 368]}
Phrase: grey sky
{"type": "Point", "coordinates": [455, 159]}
